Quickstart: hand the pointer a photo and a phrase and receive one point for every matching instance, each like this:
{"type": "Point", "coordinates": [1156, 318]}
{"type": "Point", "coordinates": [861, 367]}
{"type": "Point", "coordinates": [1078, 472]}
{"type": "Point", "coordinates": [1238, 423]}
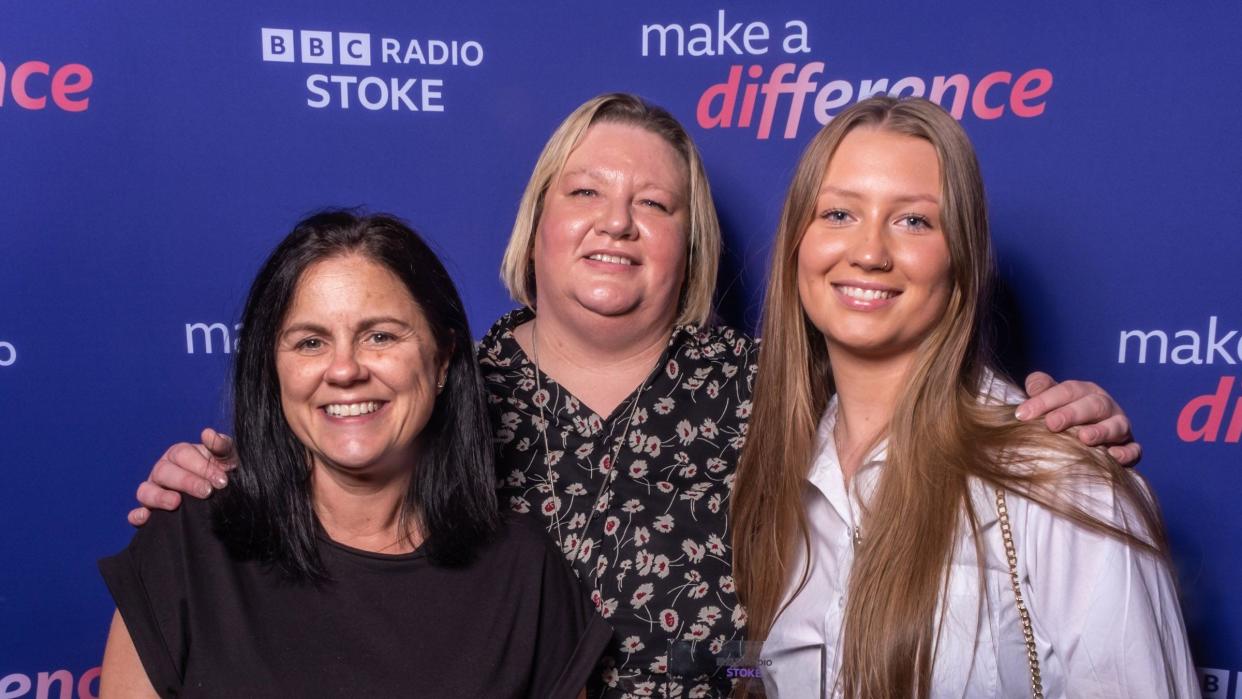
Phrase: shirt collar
{"type": "Point", "coordinates": [825, 472]}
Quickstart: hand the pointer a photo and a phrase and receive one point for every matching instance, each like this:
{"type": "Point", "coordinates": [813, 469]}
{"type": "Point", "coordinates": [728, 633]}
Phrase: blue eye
{"type": "Point", "coordinates": [915, 221]}
{"type": "Point", "coordinates": [834, 216]}
{"type": "Point", "coordinates": [655, 205]}
{"type": "Point", "coordinates": [582, 192]}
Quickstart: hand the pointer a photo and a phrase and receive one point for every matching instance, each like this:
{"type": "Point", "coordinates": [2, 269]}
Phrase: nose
{"type": "Point", "coordinates": [615, 219]}
{"type": "Point", "coordinates": [869, 251]}
{"type": "Point", "coordinates": [346, 369]}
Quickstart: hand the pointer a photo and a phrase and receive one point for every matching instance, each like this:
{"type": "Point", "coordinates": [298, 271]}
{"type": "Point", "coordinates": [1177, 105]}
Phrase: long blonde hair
{"type": "Point", "coordinates": [940, 436]}
{"type": "Point", "coordinates": [703, 238]}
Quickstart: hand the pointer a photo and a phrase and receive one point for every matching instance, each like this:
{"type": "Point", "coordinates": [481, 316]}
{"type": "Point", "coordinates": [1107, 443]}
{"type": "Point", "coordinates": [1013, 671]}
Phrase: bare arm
{"type": "Point", "coordinates": [1093, 415]}
{"type": "Point", "coordinates": [122, 672]}
{"type": "Point", "coordinates": [196, 469]}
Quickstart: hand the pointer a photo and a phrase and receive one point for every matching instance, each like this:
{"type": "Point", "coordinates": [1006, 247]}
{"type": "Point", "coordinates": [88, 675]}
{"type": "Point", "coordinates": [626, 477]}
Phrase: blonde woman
{"type": "Point", "coordinates": [897, 532]}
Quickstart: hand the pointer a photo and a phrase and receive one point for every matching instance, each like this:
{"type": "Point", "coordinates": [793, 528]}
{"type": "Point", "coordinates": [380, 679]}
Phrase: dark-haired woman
{"type": "Point", "coordinates": [361, 553]}
{"type": "Point", "coordinates": [898, 533]}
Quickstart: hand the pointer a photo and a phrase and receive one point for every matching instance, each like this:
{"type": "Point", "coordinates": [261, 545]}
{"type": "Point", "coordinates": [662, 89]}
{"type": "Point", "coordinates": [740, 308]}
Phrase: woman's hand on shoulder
{"type": "Point", "coordinates": [1086, 409]}
{"type": "Point", "coordinates": [196, 469]}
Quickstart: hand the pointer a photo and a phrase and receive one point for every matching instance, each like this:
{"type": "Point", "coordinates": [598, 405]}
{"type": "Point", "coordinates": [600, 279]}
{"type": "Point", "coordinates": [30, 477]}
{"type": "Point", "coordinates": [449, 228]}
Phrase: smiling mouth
{"type": "Point", "coordinates": [612, 259]}
{"type": "Point", "coordinates": [861, 294]}
{"type": "Point", "coordinates": [352, 409]}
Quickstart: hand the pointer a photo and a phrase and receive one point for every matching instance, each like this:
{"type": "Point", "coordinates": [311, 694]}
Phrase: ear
{"type": "Point", "coordinates": [442, 368]}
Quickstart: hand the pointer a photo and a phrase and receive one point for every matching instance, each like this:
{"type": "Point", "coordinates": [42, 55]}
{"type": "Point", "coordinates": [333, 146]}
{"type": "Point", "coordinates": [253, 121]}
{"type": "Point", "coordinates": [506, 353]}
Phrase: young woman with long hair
{"type": "Point", "coordinates": [897, 531]}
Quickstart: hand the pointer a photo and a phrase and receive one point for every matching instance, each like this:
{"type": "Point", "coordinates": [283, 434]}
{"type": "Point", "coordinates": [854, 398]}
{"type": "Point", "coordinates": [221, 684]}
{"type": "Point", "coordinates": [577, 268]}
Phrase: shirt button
{"type": "Point", "coordinates": [841, 601]}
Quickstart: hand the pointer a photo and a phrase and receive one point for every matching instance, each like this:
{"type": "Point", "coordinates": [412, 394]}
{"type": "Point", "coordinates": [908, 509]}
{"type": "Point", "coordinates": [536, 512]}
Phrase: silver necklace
{"type": "Point", "coordinates": [604, 487]}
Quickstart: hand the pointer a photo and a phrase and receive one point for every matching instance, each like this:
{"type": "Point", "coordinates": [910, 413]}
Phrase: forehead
{"type": "Point", "coordinates": [628, 149]}
{"type": "Point", "coordinates": [874, 158]}
{"type": "Point", "coordinates": [350, 284]}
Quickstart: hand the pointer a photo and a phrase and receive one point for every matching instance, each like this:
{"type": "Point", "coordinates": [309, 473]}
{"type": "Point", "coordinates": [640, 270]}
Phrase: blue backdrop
{"type": "Point", "coordinates": [152, 153]}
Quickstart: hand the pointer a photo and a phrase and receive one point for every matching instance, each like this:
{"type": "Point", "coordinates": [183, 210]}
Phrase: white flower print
{"type": "Point", "coordinates": [641, 596]}
{"type": "Point", "coordinates": [694, 550]}
{"type": "Point", "coordinates": [631, 644]}
{"type": "Point", "coordinates": [713, 503]}
{"type": "Point", "coordinates": [551, 506]}
{"type": "Point", "coordinates": [638, 469]}
{"type": "Point", "coordinates": [709, 615]}
{"type": "Point", "coordinates": [697, 632]}
{"type": "Point", "coordinates": [739, 616]}
{"type": "Point", "coordinates": [585, 549]}
{"type": "Point", "coordinates": [611, 525]}
{"type": "Point", "coordinates": [509, 420]}
{"type": "Point", "coordinates": [664, 524]}
{"type": "Point", "coordinates": [669, 619]}
{"type": "Point", "coordinates": [652, 446]}
{"type": "Point", "coordinates": [643, 562]}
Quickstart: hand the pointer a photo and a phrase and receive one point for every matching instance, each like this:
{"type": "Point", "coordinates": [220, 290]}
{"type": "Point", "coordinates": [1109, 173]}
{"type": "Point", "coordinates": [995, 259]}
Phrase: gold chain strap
{"type": "Point", "coordinates": [1032, 654]}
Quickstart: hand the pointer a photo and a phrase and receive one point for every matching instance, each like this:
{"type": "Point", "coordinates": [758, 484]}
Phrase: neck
{"type": "Point", "coordinates": [867, 393]}
{"type": "Point", "coordinates": [601, 341]}
{"type": "Point", "coordinates": [601, 362]}
{"type": "Point", "coordinates": [363, 514]}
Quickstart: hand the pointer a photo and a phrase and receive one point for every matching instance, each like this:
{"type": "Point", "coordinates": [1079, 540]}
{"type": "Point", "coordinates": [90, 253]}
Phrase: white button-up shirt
{"type": "Point", "coordinates": [1105, 616]}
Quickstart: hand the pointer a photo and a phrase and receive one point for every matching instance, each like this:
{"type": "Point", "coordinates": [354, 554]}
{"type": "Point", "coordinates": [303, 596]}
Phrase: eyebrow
{"type": "Point", "coordinates": [366, 324]}
{"type": "Point", "coordinates": [598, 176]}
{"type": "Point", "coordinates": [909, 198]}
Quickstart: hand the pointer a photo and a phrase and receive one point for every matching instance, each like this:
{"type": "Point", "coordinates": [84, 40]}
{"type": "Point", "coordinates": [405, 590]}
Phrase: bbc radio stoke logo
{"type": "Point", "coordinates": [33, 85]}
{"type": "Point", "coordinates": [357, 51]}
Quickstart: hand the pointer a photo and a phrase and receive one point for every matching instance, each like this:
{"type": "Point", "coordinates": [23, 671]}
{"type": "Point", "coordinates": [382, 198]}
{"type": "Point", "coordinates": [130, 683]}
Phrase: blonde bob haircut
{"type": "Point", "coordinates": [703, 239]}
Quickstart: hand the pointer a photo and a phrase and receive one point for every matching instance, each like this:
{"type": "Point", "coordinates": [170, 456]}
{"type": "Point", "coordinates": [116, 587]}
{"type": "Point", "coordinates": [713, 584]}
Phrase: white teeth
{"type": "Point", "coordinates": [600, 257]}
{"type": "Point", "coordinates": [351, 409]}
{"type": "Point", "coordinates": [866, 294]}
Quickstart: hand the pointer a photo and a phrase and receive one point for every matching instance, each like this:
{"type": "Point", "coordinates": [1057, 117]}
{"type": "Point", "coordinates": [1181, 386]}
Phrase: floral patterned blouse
{"type": "Point", "coordinates": [638, 500]}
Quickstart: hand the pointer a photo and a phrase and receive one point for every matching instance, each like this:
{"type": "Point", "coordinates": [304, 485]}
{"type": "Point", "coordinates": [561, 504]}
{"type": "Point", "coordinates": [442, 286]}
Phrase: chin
{"type": "Point", "coordinates": [611, 306]}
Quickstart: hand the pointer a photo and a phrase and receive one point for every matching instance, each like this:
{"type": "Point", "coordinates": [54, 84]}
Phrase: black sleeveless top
{"type": "Point", "coordinates": [513, 624]}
